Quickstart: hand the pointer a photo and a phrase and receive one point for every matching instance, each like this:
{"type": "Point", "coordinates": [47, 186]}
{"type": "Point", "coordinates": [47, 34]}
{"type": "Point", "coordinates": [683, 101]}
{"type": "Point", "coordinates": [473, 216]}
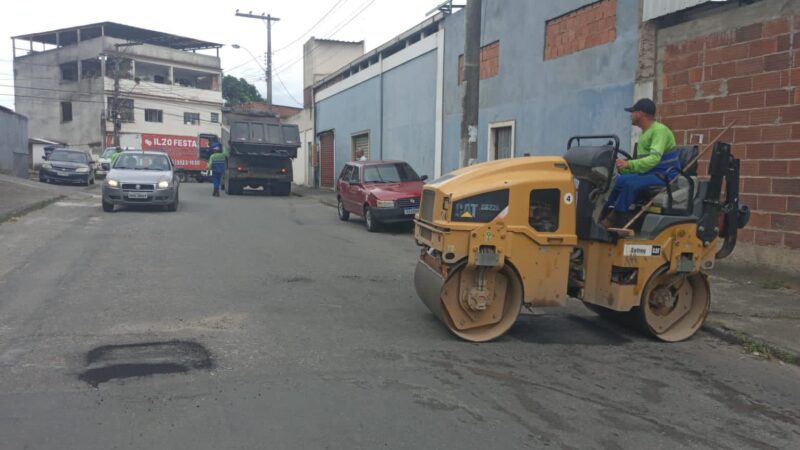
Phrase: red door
{"type": "Point", "coordinates": [326, 176]}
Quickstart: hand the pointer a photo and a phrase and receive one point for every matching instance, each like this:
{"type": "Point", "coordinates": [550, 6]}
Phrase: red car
{"type": "Point", "coordinates": [380, 191]}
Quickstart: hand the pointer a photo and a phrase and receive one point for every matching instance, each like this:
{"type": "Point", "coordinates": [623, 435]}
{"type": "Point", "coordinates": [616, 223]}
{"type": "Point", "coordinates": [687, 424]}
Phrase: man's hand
{"type": "Point", "coordinates": [622, 164]}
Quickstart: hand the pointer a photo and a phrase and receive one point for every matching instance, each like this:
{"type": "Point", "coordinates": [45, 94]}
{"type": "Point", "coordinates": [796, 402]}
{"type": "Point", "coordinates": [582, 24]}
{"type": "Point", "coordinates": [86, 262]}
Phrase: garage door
{"type": "Point", "coordinates": [326, 164]}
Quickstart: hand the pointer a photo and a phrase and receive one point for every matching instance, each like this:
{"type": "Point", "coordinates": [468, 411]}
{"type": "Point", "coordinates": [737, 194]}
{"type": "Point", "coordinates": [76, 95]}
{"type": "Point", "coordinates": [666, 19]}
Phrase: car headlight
{"type": "Point", "coordinates": [82, 170]}
{"type": "Point", "coordinates": [385, 203]}
{"type": "Point", "coordinates": [163, 184]}
{"type": "Point", "coordinates": [47, 166]}
{"type": "Point", "coordinates": [112, 183]}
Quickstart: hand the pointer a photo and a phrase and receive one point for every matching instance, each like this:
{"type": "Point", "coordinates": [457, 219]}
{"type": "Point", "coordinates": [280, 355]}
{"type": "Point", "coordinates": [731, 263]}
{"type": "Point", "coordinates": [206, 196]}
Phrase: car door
{"type": "Point", "coordinates": [356, 191]}
{"type": "Point", "coordinates": [343, 185]}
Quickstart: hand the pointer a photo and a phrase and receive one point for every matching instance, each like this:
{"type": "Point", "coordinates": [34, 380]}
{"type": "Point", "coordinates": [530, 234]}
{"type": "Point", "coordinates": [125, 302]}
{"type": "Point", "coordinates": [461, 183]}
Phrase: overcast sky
{"type": "Point", "coordinates": [374, 21]}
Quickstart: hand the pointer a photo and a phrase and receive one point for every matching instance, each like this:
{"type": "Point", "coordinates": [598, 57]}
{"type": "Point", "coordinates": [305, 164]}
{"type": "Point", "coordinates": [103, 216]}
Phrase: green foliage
{"type": "Point", "coordinates": [238, 90]}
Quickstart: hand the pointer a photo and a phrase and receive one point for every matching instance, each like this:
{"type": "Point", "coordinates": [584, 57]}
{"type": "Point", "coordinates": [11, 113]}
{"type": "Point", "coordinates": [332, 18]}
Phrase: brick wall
{"type": "Point", "coordinates": [489, 65]}
{"type": "Point", "coordinates": [594, 24]}
{"type": "Point", "coordinates": [751, 74]}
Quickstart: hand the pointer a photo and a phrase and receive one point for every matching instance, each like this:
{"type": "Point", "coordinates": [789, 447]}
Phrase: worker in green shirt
{"type": "Point", "coordinates": [648, 169]}
{"type": "Point", "coordinates": [216, 164]}
{"type": "Point", "coordinates": [115, 155]}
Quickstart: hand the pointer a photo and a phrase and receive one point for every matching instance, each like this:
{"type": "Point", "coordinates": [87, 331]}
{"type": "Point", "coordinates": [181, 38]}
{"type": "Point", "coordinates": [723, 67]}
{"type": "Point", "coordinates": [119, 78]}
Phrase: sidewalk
{"type": "Point", "coordinates": [19, 196]}
{"type": "Point", "coordinates": [325, 196]}
{"type": "Point", "coordinates": [756, 308]}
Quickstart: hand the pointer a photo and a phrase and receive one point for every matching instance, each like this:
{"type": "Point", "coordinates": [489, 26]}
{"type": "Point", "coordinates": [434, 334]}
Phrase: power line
{"type": "Point", "coordinates": [285, 89]}
{"type": "Point", "coordinates": [365, 5]}
{"type": "Point", "coordinates": [324, 16]}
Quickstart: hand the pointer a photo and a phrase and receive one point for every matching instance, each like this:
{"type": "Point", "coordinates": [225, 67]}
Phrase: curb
{"type": "Point", "coordinates": [30, 208]}
{"type": "Point", "coordinates": [748, 342]}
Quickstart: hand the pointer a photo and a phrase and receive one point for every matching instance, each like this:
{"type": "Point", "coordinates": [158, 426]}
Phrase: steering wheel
{"type": "Point", "coordinates": [625, 154]}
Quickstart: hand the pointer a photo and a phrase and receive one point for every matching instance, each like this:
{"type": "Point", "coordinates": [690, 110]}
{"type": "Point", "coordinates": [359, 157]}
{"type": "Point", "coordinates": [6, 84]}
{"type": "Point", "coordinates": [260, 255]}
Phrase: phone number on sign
{"type": "Point", "coordinates": [186, 162]}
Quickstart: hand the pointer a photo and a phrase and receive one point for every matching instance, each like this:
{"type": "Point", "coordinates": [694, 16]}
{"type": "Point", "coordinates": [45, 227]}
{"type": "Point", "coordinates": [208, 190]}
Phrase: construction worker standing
{"type": "Point", "coordinates": [647, 169]}
{"type": "Point", "coordinates": [216, 163]}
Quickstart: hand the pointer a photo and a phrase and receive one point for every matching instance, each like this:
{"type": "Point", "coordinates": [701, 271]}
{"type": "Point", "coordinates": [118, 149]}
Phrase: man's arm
{"type": "Point", "coordinates": [657, 149]}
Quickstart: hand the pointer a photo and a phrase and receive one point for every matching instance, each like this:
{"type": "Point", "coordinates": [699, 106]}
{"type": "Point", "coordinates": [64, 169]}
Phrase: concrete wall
{"type": "Point", "coordinates": [353, 111]}
{"type": "Point", "coordinates": [302, 164]}
{"type": "Point", "coordinates": [39, 92]}
{"type": "Point", "coordinates": [322, 56]}
{"type": "Point", "coordinates": [409, 106]}
{"type": "Point", "coordinates": [580, 93]}
{"type": "Point", "coordinates": [13, 144]}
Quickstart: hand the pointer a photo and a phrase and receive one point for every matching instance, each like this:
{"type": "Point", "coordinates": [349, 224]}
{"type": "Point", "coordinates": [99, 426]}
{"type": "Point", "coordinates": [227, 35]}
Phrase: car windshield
{"type": "Point", "coordinates": [142, 162]}
{"type": "Point", "coordinates": [390, 173]}
{"type": "Point", "coordinates": [73, 157]}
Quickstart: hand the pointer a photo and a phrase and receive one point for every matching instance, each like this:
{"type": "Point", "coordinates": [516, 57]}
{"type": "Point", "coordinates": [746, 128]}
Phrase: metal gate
{"type": "Point", "coordinates": [326, 157]}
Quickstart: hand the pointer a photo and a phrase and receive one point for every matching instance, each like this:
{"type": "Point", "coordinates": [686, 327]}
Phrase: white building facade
{"type": "Point", "coordinates": [168, 93]}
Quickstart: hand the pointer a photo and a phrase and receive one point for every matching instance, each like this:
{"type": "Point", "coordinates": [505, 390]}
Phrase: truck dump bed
{"type": "Point", "coordinates": [263, 136]}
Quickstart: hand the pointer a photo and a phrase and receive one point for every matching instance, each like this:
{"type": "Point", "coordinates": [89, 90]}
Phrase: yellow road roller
{"type": "Point", "coordinates": [505, 234]}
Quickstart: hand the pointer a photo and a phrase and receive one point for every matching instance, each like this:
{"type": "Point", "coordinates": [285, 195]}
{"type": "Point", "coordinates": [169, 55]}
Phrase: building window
{"type": "Point", "coordinates": [490, 62]}
{"type": "Point", "coordinates": [592, 25]}
{"type": "Point", "coordinates": [360, 146]}
{"type": "Point", "coordinates": [124, 108]}
{"type": "Point", "coordinates": [191, 118]}
{"type": "Point", "coordinates": [501, 140]}
{"type": "Point", "coordinates": [69, 71]}
{"type": "Point", "coordinates": [544, 210]}
{"type": "Point", "coordinates": [153, 115]}
{"type": "Point", "coordinates": [66, 111]}
{"type": "Point", "coordinates": [214, 117]}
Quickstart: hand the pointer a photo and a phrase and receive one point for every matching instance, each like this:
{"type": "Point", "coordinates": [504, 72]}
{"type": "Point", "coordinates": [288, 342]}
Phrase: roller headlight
{"type": "Point", "coordinates": [163, 184]}
{"type": "Point", "coordinates": [112, 183]}
{"type": "Point", "coordinates": [82, 170]}
{"type": "Point", "coordinates": [385, 203]}
{"type": "Point", "coordinates": [47, 166]}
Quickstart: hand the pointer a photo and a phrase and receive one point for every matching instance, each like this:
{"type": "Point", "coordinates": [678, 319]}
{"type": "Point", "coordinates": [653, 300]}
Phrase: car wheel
{"type": "Point", "coordinates": [344, 215]}
{"type": "Point", "coordinates": [91, 181]}
{"type": "Point", "coordinates": [108, 207]}
{"type": "Point", "coordinates": [369, 220]}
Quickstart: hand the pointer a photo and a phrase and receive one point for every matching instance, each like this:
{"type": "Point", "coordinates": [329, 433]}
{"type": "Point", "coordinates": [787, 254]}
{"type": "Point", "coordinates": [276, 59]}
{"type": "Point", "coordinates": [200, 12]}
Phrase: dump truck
{"type": "Point", "coordinates": [260, 152]}
{"type": "Point", "coordinates": [526, 231]}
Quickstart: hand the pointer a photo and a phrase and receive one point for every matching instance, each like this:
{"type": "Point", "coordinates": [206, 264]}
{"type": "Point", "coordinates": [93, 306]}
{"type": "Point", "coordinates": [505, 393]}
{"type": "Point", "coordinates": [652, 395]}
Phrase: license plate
{"type": "Point", "coordinates": [137, 195]}
{"type": "Point", "coordinates": [411, 211]}
{"type": "Point", "coordinates": [62, 174]}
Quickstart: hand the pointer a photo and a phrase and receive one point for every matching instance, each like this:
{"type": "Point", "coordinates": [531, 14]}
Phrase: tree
{"type": "Point", "coordinates": [236, 91]}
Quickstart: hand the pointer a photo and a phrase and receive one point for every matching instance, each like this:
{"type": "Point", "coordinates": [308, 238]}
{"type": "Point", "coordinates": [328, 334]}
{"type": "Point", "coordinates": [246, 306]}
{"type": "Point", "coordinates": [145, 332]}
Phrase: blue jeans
{"type": "Point", "coordinates": [216, 174]}
{"type": "Point", "coordinates": [627, 188]}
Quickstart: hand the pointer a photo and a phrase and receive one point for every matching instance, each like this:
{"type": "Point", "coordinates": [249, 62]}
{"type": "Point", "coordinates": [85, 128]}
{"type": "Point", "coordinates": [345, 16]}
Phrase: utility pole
{"type": "Point", "coordinates": [115, 115]}
{"type": "Point", "coordinates": [470, 103]}
{"type": "Point", "coordinates": [114, 104]}
{"type": "Point", "coordinates": [268, 75]}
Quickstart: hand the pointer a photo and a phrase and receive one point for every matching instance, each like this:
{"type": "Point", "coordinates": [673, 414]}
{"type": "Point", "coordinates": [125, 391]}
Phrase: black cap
{"type": "Point", "coordinates": [644, 105]}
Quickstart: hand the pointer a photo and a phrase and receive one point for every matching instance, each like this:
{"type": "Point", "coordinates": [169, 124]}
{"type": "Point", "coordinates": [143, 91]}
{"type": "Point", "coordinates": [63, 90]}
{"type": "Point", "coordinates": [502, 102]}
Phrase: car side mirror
{"type": "Point", "coordinates": [423, 178]}
{"type": "Point", "coordinates": [44, 157]}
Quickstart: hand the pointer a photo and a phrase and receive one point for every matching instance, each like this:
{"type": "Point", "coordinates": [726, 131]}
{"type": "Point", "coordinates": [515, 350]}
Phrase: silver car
{"type": "Point", "coordinates": [141, 178]}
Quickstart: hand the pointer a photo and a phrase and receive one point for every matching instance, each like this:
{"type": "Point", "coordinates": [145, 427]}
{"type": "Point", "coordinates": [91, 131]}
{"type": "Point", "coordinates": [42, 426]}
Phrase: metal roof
{"type": "Point", "coordinates": [127, 32]}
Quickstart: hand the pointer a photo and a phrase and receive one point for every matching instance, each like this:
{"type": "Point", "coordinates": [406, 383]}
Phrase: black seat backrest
{"type": "Point", "coordinates": [686, 154]}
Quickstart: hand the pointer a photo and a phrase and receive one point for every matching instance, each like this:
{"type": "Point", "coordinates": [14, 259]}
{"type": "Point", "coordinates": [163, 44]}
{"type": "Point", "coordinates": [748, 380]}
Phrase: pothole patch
{"type": "Point", "coordinates": [123, 361]}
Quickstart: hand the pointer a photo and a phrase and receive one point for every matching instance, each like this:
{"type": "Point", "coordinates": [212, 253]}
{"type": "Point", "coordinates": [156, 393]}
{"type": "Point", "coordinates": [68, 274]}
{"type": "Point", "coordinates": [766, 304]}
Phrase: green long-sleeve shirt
{"type": "Point", "coordinates": [219, 156]}
{"type": "Point", "coordinates": [653, 143]}
{"type": "Point", "coordinates": [114, 157]}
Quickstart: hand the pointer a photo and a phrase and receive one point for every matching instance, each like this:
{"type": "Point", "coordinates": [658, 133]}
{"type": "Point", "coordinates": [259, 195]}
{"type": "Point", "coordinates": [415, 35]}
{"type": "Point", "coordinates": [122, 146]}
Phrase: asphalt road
{"type": "Point", "coordinates": [260, 322]}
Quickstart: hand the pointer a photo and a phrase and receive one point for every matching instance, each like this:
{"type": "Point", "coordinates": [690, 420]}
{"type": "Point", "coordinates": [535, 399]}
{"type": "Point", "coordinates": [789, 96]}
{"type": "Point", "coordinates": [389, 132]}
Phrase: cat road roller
{"type": "Point", "coordinates": [501, 235]}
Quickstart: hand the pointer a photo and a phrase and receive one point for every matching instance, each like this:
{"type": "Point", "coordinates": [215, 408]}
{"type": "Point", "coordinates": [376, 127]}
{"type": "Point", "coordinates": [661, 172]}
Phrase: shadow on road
{"type": "Point", "coordinates": [568, 329]}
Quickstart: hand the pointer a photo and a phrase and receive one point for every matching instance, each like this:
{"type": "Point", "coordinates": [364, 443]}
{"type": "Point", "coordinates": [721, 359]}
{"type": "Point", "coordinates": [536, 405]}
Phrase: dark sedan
{"type": "Point", "coordinates": [68, 166]}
